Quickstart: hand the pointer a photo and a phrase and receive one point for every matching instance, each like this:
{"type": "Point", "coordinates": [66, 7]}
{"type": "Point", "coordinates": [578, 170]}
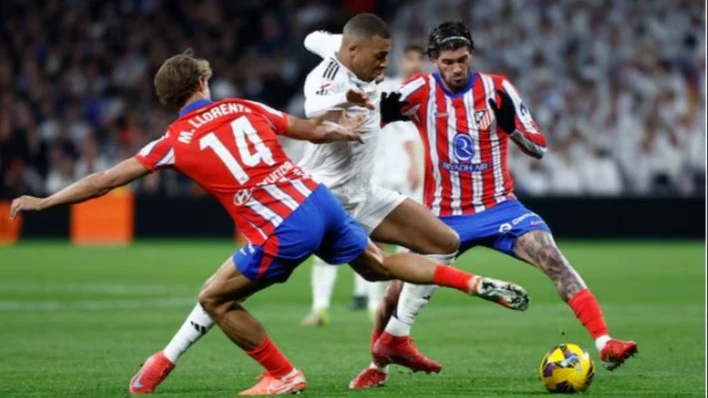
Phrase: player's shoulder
{"type": "Point", "coordinates": [328, 69]}
{"type": "Point", "coordinates": [415, 85]}
{"type": "Point", "coordinates": [497, 78]}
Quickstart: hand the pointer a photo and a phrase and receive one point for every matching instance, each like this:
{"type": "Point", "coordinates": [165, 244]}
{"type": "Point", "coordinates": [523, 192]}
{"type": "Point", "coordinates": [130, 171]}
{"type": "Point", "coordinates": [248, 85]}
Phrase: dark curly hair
{"type": "Point", "coordinates": [449, 36]}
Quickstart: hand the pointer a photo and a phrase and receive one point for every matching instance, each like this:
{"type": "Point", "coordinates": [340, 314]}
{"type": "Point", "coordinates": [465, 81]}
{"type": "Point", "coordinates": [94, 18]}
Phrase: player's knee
{"type": "Point", "coordinates": [210, 302]}
{"type": "Point", "coordinates": [452, 242]}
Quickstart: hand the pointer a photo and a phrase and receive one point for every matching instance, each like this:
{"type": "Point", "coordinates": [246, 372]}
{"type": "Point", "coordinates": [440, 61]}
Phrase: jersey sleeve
{"type": "Point", "coordinates": [413, 92]}
{"type": "Point", "coordinates": [525, 124]}
{"type": "Point", "coordinates": [322, 94]}
{"type": "Point", "coordinates": [277, 119]}
{"type": "Point", "coordinates": [323, 43]}
{"type": "Point", "coordinates": [157, 154]}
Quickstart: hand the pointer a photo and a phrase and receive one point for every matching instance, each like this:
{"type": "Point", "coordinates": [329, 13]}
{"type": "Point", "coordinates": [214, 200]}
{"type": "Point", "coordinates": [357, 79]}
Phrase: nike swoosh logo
{"type": "Point", "coordinates": [137, 383]}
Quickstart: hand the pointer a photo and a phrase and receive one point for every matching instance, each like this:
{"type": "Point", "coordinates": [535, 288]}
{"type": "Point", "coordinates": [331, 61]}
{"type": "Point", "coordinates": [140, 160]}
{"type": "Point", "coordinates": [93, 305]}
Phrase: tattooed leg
{"type": "Point", "coordinates": [538, 249]}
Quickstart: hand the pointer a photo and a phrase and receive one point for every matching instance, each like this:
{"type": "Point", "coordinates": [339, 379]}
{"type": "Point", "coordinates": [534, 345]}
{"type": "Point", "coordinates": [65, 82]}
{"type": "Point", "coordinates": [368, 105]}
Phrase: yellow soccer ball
{"type": "Point", "coordinates": [566, 369]}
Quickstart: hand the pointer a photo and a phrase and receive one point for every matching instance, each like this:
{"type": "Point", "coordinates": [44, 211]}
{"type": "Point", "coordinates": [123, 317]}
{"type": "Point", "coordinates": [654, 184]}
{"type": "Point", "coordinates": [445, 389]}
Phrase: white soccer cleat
{"type": "Point", "coordinates": [504, 293]}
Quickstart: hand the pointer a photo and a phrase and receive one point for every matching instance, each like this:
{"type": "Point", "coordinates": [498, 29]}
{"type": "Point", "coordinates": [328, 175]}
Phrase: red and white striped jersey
{"type": "Point", "coordinates": [230, 148]}
{"type": "Point", "coordinates": [466, 169]}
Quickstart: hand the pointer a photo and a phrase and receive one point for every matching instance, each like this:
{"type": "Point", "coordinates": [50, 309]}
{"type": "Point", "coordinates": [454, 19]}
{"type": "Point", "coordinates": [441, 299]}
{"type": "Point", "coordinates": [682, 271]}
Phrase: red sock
{"type": "Point", "coordinates": [270, 357]}
{"type": "Point", "coordinates": [375, 334]}
{"type": "Point", "coordinates": [588, 311]}
{"type": "Point", "coordinates": [448, 276]}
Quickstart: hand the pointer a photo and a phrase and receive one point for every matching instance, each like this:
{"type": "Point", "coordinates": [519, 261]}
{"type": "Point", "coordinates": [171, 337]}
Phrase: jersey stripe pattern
{"type": "Point", "coordinates": [230, 148]}
{"type": "Point", "coordinates": [465, 153]}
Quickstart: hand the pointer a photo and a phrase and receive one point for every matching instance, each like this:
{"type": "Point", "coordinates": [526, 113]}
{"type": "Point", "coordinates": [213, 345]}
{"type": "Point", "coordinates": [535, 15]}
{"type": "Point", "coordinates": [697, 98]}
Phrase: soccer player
{"type": "Point", "coordinates": [466, 119]}
{"type": "Point", "coordinates": [230, 148]}
{"type": "Point", "coordinates": [346, 82]}
{"type": "Point", "coordinates": [395, 168]}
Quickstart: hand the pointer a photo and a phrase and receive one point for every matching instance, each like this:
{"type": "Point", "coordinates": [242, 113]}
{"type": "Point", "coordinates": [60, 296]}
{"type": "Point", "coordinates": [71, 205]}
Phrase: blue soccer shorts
{"type": "Point", "coordinates": [318, 226]}
{"type": "Point", "coordinates": [497, 228]}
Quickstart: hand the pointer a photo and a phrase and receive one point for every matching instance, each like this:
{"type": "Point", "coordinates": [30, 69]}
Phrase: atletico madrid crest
{"type": "Point", "coordinates": [483, 119]}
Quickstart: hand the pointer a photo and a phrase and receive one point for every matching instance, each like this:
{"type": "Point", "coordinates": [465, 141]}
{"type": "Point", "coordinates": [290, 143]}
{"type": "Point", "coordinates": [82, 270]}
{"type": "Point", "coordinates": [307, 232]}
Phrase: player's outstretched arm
{"type": "Point", "coordinates": [515, 120]}
{"type": "Point", "coordinates": [323, 43]}
{"type": "Point", "coordinates": [321, 131]}
{"type": "Point", "coordinates": [91, 186]}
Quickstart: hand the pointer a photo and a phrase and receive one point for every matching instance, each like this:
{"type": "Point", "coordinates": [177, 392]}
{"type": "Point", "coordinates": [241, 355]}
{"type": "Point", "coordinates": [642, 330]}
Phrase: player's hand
{"type": "Point", "coordinates": [359, 98]}
{"type": "Point", "coordinates": [392, 107]}
{"type": "Point", "coordinates": [353, 126]}
{"type": "Point", "coordinates": [505, 113]}
{"type": "Point", "coordinates": [24, 203]}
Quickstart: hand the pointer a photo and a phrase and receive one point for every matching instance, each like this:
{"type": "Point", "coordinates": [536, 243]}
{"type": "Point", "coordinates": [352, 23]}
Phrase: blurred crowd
{"type": "Point", "coordinates": [618, 86]}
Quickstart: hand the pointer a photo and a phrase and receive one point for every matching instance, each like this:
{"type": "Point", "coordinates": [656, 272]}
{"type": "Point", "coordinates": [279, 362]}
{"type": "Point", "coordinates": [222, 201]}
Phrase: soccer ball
{"type": "Point", "coordinates": [566, 369]}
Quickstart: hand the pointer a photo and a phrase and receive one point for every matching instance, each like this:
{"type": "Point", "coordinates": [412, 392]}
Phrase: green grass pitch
{"type": "Point", "coordinates": [79, 321]}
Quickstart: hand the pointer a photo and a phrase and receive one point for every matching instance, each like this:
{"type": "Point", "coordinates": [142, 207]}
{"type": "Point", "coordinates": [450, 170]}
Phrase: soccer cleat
{"type": "Point", "coordinates": [503, 293]}
{"type": "Point", "coordinates": [369, 378]}
{"type": "Point", "coordinates": [151, 374]}
{"type": "Point", "coordinates": [316, 318]}
{"type": "Point", "coordinates": [271, 385]}
{"type": "Point", "coordinates": [402, 351]}
{"type": "Point", "coordinates": [615, 352]}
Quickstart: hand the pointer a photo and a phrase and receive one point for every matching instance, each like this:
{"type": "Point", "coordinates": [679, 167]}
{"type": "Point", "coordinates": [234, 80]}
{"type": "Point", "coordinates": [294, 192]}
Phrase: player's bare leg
{"type": "Point", "coordinates": [420, 270]}
{"type": "Point", "coordinates": [221, 298]}
{"type": "Point", "coordinates": [539, 249]}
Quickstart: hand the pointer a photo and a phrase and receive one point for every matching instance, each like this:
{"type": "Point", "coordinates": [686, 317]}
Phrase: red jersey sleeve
{"type": "Point", "coordinates": [524, 121]}
{"type": "Point", "coordinates": [277, 119]}
{"type": "Point", "coordinates": [413, 91]}
{"type": "Point", "coordinates": [157, 154]}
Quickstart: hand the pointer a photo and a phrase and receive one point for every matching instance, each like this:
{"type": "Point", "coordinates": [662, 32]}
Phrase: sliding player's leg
{"type": "Point", "coordinates": [322, 280]}
{"type": "Point", "coordinates": [222, 298]}
{"type": "Point", "coordinates": [538, 248]}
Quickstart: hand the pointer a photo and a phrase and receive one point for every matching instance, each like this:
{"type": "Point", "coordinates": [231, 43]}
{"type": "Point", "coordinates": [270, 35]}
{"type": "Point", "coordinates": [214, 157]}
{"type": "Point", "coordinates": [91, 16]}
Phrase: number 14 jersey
{"type": "Point", "coordinates": [230, 148]}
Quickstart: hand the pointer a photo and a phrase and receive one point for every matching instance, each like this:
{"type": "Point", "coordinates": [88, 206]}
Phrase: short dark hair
{"type": "Point", "coordinates": [367, 26]}
{"type": "Point", "coordinates": [415, 48]}
{"type": "Point", "coordinates": [449, 36]}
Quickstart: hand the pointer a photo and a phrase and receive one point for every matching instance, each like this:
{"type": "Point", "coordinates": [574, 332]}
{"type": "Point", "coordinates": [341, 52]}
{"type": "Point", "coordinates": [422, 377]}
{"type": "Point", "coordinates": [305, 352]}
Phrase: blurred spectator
{"type": "Point", "coordinates": [618, 86]}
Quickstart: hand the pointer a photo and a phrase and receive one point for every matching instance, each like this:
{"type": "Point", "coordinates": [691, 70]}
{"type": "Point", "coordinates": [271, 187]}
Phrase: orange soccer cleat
{"type": "Point", "coordinates": [369, 378]}
{"type": "Point", "coordinates": [615, 352]}
{"type": "Point", "coordinates": [271, 385]}
{"type": "Point", "coordinates": [151, 374]}
{"type": "Point", "coordinates": [402, 351]}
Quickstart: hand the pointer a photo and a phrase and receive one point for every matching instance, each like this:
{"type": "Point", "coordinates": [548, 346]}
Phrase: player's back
{"type": "Point", "coordinates": [344, 167]}
{"type": "Point", "coordinates": [230, 148]}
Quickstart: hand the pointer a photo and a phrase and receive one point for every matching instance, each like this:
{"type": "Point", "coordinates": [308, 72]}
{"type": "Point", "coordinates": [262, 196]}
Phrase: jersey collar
{"type": "Point", "coordinates": [470, 83]}
{"type": "Point", "coordinates": [194, 105]}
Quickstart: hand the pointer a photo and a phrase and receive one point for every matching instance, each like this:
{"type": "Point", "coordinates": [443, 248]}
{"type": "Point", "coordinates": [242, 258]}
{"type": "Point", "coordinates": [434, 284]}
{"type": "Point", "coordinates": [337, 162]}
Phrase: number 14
{"type": "Point", "coordinates": [242, 129]}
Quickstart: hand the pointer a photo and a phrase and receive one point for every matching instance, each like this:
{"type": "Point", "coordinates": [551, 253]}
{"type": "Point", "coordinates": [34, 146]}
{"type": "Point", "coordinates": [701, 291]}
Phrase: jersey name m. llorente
{"type": "Point", "coordinates": [466, 169]}
{"type": "Point", "coordinates": [230, 148]}
{"type": "Point", "coordinates": [344, 167]}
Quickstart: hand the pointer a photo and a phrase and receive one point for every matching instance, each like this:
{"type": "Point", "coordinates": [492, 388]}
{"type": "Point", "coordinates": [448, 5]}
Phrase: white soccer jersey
{"type": "Point", "coordinates": [346, 168]}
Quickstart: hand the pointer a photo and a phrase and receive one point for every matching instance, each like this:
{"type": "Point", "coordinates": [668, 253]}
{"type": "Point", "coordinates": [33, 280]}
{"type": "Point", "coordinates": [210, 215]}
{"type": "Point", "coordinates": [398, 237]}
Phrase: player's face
{"type": "Point", "coordinates": [412, 62]}
{"type": "Point", "coordinates": [370, 57]}
{"type": "Point", "coordinates": [454, 67]}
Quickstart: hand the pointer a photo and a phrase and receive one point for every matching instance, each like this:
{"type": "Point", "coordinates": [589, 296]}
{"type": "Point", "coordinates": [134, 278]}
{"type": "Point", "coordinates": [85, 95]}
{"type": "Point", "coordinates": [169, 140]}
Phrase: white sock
{"type": "Point", "coordinates": [323, 278]}
{"type": "Point", "coordinates": [382, 369]}
{"type": "Point", "coordinates": [375, 294]}
{"type": "Point", "coordinates": [601, 341]}
{"type": "Point", "coordinates": [412, 300]}
{"type": "Point", "coordinates": [361, 286]}
{"type": "Point", "coordinates": [194, 327]}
